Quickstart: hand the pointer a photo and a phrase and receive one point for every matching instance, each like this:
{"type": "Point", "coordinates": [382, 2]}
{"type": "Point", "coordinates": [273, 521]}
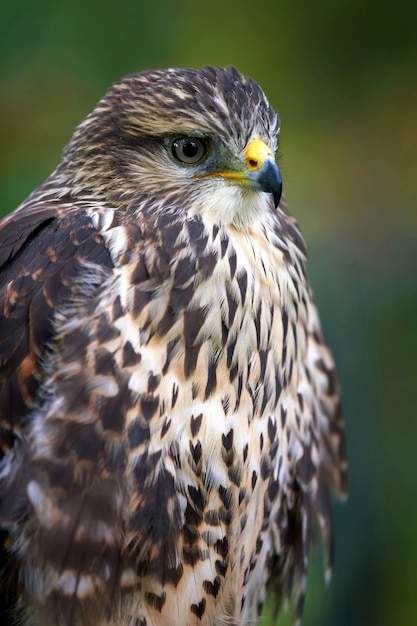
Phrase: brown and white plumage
{"type": "Point", "coordinates": [169, 411]}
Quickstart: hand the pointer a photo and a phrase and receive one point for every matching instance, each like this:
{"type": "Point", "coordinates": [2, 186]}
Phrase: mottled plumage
{"type": "Point", "coordinates": [170, 422]}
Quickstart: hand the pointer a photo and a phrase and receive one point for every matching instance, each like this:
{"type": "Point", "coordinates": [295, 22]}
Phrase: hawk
{"type": "Point", "coordinates": [169, 410]}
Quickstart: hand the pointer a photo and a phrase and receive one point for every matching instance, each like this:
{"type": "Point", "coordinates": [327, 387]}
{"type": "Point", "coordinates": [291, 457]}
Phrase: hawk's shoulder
{"type": "Point", "coordinates": [45, 249]}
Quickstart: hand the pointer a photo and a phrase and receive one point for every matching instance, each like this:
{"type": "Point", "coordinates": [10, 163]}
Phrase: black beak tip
{"type": "Point", "coordinates": [273, 181]}
{"type": "Point", "coordinates": [268, 178]}
{"type": "Point", "coordinates": [277, 193]}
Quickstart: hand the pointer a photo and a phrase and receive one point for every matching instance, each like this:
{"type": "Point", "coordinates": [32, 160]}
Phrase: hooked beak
{"type": "Point", "coordinates": [261, 171]}
{"type": "Point", "coordinates": [264, 174]}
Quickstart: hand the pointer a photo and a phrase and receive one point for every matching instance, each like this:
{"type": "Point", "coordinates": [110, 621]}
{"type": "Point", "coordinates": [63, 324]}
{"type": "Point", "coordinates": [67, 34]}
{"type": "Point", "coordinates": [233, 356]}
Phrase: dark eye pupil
{"type": "Point", "coordinates": [190, 149]}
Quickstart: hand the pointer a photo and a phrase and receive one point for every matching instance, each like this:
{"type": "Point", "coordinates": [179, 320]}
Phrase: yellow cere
{"type": "Point", "coordinates": [256, 154]}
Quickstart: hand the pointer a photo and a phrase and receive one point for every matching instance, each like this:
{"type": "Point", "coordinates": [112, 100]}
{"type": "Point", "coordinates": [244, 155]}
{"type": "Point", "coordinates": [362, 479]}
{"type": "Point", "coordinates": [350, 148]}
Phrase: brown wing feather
{"type": "Point", "coordinates": [22, 225]}
{"type": "Point", "coordinates": [42, 250]}
{"type": "Point", "coordinates": [321, 469]}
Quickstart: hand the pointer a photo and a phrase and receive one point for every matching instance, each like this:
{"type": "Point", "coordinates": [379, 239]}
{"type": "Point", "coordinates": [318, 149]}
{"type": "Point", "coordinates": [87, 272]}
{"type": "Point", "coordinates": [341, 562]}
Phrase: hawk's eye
{"type": "Point", "coordinates": [189, 150]}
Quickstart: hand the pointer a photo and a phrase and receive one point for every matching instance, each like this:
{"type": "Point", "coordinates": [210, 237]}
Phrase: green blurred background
{"type": "Point", "coordinates": [343, 76]}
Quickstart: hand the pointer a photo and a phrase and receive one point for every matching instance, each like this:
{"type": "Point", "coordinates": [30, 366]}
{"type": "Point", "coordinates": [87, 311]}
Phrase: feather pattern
{"type": "Point", "coordinates": [170, 421]}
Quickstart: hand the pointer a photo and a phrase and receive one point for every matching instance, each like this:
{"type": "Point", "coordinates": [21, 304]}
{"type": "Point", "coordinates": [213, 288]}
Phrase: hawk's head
{"type": "Point", "coordinates": [201, 141]}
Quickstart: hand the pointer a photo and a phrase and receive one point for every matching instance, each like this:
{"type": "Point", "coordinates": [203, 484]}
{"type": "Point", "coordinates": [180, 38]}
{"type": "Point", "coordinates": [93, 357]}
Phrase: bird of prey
{"type": "Point", "coordinates": [170, 417]}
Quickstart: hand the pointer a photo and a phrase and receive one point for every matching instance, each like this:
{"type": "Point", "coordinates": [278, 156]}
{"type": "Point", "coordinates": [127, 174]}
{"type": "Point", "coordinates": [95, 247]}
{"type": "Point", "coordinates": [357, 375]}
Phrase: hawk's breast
{"type": "Point", "coordinates": [204, 327]}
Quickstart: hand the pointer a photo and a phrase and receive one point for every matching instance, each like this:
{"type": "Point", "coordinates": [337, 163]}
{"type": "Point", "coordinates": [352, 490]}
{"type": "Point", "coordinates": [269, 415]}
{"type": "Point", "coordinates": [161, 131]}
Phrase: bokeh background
{"type": "Point", "coordinates": [343, 76]}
